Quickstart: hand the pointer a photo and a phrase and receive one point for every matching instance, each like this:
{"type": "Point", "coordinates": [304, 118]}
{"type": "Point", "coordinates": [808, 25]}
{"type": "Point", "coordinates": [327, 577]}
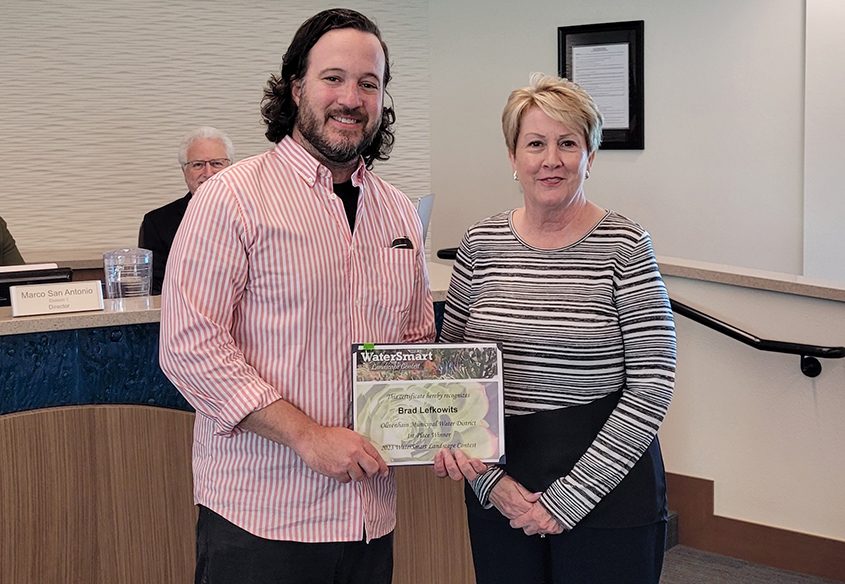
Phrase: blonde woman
{"type": "Point", "coordinates": [573, 294]}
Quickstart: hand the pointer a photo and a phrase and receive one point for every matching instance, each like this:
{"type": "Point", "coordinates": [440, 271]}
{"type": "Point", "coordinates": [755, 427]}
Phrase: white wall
{"type": "Point", "coordinates": [95, 96]}
{"type": "Point", "coordinates": [720, 180]}
{"type": "Point", "coordinates": [824, 195]}
{"type": "Point", "coordinates": [769, 437]}
{"type": "Point", "coordinates": [721, 175]}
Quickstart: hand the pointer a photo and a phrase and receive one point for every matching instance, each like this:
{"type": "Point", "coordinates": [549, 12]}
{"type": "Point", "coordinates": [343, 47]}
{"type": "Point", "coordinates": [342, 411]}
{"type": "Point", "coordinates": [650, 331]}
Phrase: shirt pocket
{"type": "Point", "coordinates": [393, 285]}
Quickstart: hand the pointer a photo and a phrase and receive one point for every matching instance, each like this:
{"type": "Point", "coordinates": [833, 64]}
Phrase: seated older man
{"type": "Point", "coordinates": [202, 153]}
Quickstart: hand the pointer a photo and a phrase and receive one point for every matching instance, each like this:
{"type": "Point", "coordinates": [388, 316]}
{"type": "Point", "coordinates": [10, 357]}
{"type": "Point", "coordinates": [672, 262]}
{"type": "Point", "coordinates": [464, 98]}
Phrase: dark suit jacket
{"type": "Point", "coordinates": [157, 232]}
{"type": "Point", "coordinates": [9, 254]}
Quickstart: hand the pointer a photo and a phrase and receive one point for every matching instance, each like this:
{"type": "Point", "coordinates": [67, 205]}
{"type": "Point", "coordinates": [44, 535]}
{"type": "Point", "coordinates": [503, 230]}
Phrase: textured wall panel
{"type": "Point", "coordinates": [38, 369]}
{"type": "Point", "coordinates": [119, 365]}
{"type": "Point", "coordinates": [110, 365]}
{"type": "Point", "coordinates": [95, 96]}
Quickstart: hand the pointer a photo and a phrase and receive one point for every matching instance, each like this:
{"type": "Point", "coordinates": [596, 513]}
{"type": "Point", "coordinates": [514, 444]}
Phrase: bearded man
{"type": "Point", "coordinates": [283, 261]}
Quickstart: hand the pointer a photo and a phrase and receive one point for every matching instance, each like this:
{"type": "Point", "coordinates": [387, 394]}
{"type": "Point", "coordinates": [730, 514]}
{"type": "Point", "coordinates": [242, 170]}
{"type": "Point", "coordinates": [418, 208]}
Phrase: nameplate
{"type": "Point", "coordinates": [56, 298]}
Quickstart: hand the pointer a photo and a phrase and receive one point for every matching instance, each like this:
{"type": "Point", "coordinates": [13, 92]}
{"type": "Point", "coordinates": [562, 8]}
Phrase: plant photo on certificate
{"type": "Point", "coordinates": [412, 400]}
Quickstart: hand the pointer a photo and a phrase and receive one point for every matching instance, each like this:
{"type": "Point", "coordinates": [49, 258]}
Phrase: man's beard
{"type": "Point", "coordinates": [341, 151]}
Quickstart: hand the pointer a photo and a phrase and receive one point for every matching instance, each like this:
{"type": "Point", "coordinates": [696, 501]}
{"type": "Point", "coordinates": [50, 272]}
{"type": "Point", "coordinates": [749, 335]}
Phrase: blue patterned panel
{"type": "Point", "coordinates": [38, 370]}
{"type": "Point", "coordinates": [119, 365]}
{"type": "Point", "coordinates": [108, 365]}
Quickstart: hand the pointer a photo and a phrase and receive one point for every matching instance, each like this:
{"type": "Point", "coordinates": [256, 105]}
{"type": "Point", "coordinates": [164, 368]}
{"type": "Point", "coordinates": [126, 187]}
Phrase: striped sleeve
{"type": "Point", "coordinates": [483, 484]}
{"type": "Point", "coordinates": [648, 334]}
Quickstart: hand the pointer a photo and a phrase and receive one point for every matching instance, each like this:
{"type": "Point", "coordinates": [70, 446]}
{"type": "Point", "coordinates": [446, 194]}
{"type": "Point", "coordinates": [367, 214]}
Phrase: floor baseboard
{"type": "Point", "coordinates": [698, 527]}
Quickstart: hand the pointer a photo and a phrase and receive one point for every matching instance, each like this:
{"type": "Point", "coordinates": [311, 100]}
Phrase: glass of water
{"type": "Point", "coordinates": [128, 271]}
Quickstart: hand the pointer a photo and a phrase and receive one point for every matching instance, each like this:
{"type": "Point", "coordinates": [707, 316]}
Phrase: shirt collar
{"type": "Point", "coordinates": [308, 167]}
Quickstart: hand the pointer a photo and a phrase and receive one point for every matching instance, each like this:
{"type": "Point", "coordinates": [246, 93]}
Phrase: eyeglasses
{"type": "Point", "coordinates": [216, 164]}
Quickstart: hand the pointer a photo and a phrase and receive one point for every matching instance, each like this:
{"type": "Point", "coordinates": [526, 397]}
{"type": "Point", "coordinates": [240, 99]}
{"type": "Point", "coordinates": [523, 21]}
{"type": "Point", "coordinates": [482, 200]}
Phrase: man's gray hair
{"type": "Point", "coordinates": [208, 133]}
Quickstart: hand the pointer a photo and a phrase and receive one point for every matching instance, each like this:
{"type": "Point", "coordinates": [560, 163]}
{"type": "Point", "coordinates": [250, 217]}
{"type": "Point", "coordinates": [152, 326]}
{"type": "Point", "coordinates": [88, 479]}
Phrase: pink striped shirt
{"type": "Point", "coordinates": [265, 292]}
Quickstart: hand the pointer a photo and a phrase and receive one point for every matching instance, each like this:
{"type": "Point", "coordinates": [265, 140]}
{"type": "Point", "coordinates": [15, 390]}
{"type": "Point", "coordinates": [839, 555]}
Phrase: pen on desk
{"type": "Point", "coordinates": [401, 243]}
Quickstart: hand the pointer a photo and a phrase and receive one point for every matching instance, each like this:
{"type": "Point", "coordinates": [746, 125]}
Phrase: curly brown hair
{"type": "Point", "coordinates": [278, 107]}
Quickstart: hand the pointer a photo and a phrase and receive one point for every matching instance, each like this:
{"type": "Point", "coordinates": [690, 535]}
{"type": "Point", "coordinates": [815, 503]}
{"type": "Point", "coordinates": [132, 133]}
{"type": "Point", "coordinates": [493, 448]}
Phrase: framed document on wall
{"type": "Point", "coordinates": [607, 61]}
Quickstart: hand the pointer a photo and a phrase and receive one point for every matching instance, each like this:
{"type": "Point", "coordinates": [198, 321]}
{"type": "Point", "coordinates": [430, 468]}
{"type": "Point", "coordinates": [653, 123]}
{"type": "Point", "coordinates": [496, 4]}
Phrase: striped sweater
{"type": "Point", "coordinates": [575, 324]}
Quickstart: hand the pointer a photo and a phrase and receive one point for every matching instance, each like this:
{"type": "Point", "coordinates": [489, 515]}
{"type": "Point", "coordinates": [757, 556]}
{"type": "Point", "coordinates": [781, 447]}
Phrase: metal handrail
{"type": "Point", "coordinates": [810, 354]}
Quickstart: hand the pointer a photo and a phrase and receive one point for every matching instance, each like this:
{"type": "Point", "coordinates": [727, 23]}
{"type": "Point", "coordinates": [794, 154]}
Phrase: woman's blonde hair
{"type": "Point", "coordinates": [560, 99]}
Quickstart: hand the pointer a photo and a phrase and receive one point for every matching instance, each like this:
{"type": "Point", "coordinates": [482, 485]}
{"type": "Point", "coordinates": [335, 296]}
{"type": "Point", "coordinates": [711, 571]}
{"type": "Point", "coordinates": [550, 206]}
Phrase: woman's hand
{"type": "Point", "coordinates": [537, 521]}
{"type": "Point", "coordinates": [457, 466]}
{"type": "Point", "coordinates": [512, 499]}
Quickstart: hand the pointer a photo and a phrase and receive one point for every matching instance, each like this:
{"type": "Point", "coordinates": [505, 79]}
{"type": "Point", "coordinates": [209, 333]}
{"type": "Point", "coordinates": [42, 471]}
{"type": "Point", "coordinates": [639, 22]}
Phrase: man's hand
{"type": "Point", "coordinates": [340, 453]}
{"type": "Point", "coordinates": [335, 452]}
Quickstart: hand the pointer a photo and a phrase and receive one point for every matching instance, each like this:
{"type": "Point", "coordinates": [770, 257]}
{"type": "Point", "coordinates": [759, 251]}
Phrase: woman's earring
{"type": "Point", "coordinates": [588, 174]}
{"type": "Point", "coordinates": [515, 176]}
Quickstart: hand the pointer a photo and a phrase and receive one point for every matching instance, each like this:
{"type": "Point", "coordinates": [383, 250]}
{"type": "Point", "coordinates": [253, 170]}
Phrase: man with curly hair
{"type": "Point", "coordinates": [283, 262]}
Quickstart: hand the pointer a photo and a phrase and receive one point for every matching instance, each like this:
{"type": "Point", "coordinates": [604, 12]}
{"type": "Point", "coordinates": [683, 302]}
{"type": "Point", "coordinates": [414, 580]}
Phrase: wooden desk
{"type": "Point", "coordinates": [95, 447]}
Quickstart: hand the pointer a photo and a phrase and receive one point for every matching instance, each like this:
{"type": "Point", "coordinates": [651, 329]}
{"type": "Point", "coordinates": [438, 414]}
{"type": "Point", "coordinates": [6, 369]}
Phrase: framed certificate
{"type": "Point", "coordinates": [607, 60]}
{"type": "Point", "coordinates": [412, 400]}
